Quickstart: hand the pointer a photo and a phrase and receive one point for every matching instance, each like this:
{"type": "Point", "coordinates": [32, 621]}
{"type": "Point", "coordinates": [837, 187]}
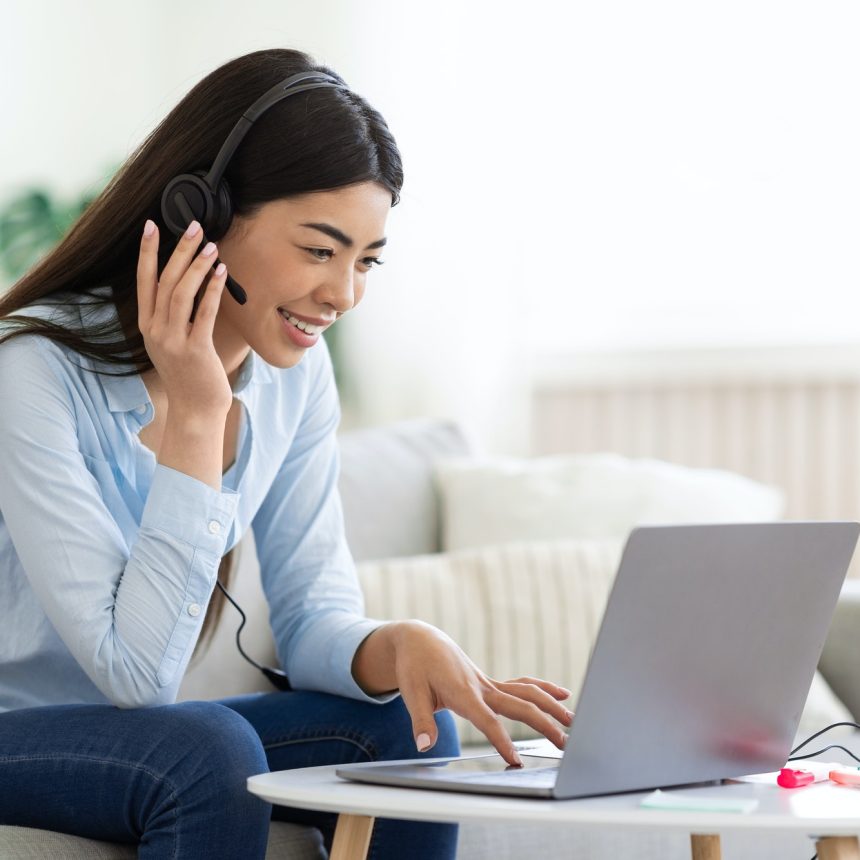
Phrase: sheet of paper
{"type": "Point", "coordinates": [678, 800]}
{"type": "Point", "coordinates": [540, 748]}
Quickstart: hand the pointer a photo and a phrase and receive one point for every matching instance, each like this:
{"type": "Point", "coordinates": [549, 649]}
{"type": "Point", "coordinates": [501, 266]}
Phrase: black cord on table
{"type": "Point", "coordinates": [831, 747]}
{"type": "Point", "coordinates": [817, 734]}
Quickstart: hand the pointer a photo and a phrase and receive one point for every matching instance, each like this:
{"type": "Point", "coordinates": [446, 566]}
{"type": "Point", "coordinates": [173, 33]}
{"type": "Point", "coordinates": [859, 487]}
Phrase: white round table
{"type": "Point", "coordinates": [825, 811]}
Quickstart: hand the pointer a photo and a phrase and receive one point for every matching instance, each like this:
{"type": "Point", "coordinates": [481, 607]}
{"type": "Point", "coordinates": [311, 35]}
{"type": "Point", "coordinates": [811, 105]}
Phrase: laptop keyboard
{"type": "Point", "coordinates": [537, 777]}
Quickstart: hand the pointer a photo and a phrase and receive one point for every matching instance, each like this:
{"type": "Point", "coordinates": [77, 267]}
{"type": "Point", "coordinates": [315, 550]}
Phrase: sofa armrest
{"type": "Point", "coordinates": [840, 661]}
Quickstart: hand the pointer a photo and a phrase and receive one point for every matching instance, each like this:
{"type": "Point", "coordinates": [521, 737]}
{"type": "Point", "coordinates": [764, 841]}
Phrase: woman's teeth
{"type": "Point", "coordinates": [305, 327]}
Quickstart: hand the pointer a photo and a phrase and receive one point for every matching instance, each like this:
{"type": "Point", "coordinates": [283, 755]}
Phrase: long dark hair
{"type": "Point", "coordinates": [318, 140]}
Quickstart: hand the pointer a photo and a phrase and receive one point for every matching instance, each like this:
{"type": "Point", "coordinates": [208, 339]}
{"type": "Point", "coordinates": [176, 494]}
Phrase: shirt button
{"type": "Point", "coordinates": [214, 527]}
{"type": "Point", "coordinates": [193, 609]}
{"type": "Point", "coordinates": [141, 410]}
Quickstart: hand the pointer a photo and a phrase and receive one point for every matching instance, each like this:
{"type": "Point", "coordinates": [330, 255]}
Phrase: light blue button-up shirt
{"type": "Point", "coordinates": [108, 558]}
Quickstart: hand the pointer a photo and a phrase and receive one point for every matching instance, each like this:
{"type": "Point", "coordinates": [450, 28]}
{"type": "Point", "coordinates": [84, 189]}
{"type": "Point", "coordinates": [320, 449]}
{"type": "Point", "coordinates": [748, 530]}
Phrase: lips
{"type": "Point", "coordinates": [301, 325]}
{"type": "Point", "coordinates": [312, 320]}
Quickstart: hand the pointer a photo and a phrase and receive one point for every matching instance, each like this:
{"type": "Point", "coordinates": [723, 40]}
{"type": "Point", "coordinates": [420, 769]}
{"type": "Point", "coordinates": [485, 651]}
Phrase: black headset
{"type": "Point", "coordinates": [205, 197]}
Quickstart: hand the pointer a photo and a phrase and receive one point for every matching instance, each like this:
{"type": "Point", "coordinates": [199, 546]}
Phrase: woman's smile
{"type": "Point", "coordinates": [299, 336]}
{"type": "Point", "coordinates": [310, 325]}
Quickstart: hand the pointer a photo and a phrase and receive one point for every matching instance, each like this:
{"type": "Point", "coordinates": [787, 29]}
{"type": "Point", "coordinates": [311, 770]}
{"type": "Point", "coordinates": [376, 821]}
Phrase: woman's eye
{"type": "Point", "coordinates": [327, 253]}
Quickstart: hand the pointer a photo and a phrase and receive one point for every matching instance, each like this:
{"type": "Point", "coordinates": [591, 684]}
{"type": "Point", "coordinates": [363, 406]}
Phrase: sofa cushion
{"type": "Point", "coordinates": [516, 609]}
{"type": "Point", "coordinates": [596, 496]}
{"type": "Point", "coordinates": [286, 842]}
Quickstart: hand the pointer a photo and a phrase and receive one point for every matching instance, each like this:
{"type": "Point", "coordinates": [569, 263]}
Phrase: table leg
{"type": "Point", "coordinates": [351, 837]}
{"type": "Point", "coordinates": [705, 847]}
{"type": "Point", "coordinates": [838, 848]}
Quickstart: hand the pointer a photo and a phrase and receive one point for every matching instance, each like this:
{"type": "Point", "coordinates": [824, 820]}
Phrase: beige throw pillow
{"type": "Point", "coordinates": [591, 496]}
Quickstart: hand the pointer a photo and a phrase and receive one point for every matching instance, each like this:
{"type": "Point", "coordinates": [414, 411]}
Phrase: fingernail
{"type": "Point", "coordinates": [220, 269]}
{"type": "Point", "coordinates": [193, 229]}
{"type": "Point", "coordinates": [148, 228]}
{"type": "Point", "coordinates": [517, 760]}
{"type": "Point", "coordinates": [209, 250]}
{"type": "Point", "coordinates": [423, 742]}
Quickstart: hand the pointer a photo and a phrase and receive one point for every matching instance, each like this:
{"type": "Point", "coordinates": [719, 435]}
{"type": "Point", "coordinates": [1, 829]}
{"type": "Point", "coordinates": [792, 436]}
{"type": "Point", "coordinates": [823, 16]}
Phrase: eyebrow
{"type": "Point", "coordinates": [340, 236]}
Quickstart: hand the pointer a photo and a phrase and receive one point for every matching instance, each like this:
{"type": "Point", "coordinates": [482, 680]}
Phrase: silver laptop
{"type": "Point", "coordinates": [700, 671]}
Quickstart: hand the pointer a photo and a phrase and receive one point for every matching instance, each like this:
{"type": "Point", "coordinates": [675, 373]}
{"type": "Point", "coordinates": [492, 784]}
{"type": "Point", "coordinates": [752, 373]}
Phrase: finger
{"type": "Point", "coordinates": [175, 268]}
{"type": "Point", "coordinates": [419, 703]}
{"type": "Point", "coordinates": [207, 309]}
{"type": "Point", "coordinates": [483, 718]}
{"type": "Point", "coordinates": [182, 299]}
{"type": "Point", "coordinates": [556, 691]}
{"type": "Point", "coordinates": [539, 697]}
{"type": "Point", "coordinates": [526, 712]}
{"type": "Point", "coordinates": [147, 275]}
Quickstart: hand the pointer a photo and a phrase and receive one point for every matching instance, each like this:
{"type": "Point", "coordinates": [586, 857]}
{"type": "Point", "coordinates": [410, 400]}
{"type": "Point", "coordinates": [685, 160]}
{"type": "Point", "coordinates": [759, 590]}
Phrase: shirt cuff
{"type": "Point", "coordinates": [190, 510]}
{"type": "Point", "coordinates": [338, 638]}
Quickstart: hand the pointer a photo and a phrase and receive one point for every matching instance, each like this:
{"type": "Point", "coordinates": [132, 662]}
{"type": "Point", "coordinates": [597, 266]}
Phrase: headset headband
{"type": "Point", "coordinates": [288, 87]}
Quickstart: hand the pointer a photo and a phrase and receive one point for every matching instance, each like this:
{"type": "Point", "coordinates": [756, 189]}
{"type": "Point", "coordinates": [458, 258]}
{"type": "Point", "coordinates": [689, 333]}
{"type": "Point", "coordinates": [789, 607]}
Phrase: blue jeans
{"type": "Point", "coordinates": [172, 778]}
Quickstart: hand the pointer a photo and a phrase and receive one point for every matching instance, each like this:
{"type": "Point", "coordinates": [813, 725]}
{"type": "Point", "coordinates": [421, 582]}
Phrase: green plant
{"type": "Point", "coordinates": [32, 222]}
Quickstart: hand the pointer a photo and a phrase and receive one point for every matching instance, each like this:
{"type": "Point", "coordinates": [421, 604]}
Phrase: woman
{"type": "Point", "coordinates": [148, 420]}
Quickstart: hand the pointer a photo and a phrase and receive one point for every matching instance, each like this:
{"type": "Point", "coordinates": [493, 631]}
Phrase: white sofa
{"type": "Point", "coordinates": [391, 510]}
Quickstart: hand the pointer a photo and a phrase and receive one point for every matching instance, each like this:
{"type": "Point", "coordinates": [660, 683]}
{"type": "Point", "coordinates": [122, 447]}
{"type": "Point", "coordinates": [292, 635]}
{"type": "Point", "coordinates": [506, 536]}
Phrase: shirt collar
{"type": "Point", "coordinates": [253, 371]}
{"type": "Point", "coordinates": [124, 393]}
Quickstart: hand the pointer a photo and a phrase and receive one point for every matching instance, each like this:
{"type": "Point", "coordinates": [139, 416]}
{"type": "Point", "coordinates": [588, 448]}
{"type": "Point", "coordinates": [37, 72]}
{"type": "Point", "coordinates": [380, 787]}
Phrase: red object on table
{"type": "Point", "coordinates": [789, 778]}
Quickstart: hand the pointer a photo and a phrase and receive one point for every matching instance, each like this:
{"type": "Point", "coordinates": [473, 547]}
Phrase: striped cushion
{"type": "Point", "coordinates": [529, 608]}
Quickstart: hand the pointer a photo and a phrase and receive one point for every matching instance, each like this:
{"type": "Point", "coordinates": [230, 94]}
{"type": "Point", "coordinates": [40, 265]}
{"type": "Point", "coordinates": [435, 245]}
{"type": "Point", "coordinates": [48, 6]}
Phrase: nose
{"type": "Point", "coordinates": [338, 290]}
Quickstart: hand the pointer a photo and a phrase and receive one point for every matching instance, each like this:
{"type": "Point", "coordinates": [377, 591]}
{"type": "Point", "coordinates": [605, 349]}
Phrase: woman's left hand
{"type": "Point", "coordinates": [432, 672]}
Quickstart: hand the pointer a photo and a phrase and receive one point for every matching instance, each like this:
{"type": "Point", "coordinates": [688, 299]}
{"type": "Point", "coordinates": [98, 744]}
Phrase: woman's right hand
{"type": "Point", "coordinates": [182, 351]}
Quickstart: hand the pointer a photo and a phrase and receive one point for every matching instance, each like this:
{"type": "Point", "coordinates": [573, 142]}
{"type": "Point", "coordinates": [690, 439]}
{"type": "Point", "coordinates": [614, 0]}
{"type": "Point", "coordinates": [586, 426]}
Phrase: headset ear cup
{"type": "Point", "coordinates": [197, 196]}
{"type": "Point", "coordinates": [222, 212]}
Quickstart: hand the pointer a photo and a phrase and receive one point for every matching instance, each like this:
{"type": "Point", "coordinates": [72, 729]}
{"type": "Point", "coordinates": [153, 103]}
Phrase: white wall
{"type": "Point", "coordinates": [82, 83]}
{"type": "Point", "coordinates": [580, 176]}
{"type": "Point", "coordinates": [76, 83]}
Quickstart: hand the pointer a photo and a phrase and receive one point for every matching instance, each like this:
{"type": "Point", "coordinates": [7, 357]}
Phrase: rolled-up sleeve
{"type": "Point", "coordinates": [129, 614]}
{"type": "Point", "coordinates": [307, 571]}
